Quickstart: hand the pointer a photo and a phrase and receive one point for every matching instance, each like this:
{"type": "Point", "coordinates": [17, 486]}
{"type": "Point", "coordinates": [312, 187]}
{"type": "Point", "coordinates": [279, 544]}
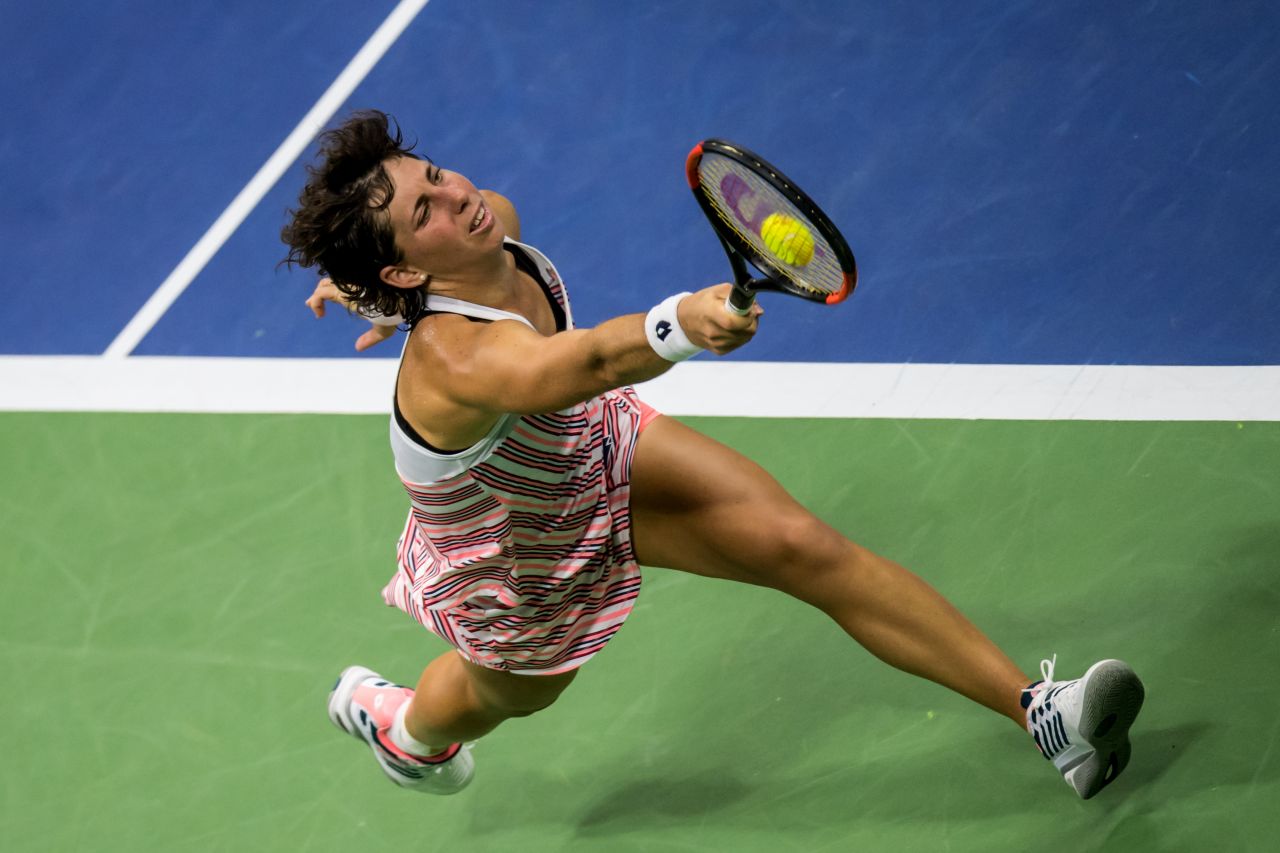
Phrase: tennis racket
{"type": "Point", "coordinates": [760, 216]}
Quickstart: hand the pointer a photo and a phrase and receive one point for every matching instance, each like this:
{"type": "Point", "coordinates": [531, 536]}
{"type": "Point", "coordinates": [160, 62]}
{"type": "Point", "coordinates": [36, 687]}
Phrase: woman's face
{"type": "Point", "coordinates": [439, 219]}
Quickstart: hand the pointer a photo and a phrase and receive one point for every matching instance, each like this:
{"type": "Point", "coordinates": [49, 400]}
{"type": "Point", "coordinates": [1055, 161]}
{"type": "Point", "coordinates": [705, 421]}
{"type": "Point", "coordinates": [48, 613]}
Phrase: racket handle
{"type": "Point", "coordinates": [740, 301]}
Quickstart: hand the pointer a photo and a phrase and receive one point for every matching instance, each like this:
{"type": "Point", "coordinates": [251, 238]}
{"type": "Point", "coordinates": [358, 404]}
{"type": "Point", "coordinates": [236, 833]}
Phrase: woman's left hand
{"type": "Point", "coordinates": [326, 291]}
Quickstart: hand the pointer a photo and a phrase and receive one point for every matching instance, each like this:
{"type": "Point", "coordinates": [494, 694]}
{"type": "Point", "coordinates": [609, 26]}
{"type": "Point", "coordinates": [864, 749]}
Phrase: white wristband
{"type": "Point", "coordinates": [663, 330]}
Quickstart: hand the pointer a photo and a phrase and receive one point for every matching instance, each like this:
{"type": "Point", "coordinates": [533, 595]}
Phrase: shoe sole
{"type": "Point", "coordinates": [1113, 696]}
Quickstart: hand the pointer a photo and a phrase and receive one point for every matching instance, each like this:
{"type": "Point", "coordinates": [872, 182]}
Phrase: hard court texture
{"type": "Point", "coordinates": [183, 589]}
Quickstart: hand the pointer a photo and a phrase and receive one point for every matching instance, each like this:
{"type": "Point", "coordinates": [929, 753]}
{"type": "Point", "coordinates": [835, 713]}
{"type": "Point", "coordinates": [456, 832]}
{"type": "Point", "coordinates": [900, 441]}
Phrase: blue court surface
{"type": "Point", "coordinates": [1026, 183]}
{"type": "Point", "coordinates": [1066, 215]}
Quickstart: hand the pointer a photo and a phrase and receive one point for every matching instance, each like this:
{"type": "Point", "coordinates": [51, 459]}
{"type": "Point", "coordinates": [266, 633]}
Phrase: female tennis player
{"type": "Point", "coordinates": [538, 481]}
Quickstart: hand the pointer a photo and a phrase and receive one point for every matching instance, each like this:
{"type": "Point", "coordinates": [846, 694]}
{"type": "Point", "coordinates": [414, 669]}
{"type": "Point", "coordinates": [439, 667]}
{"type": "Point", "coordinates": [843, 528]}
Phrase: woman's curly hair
{"type": "Point", "coordinates": [341, 224]}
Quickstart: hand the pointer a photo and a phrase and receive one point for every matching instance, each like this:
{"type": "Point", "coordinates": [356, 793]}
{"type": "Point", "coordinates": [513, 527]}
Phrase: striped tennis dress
{"type": "Point", "coordinates": [517, 550]}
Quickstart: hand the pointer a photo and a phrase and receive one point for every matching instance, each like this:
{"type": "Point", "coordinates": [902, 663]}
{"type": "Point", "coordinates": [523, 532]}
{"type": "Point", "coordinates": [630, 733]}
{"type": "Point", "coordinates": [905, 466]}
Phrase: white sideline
{"type": "Point", "coordinates": [261, 183]}
{"type": "Point", "coordinates": [739, 389]}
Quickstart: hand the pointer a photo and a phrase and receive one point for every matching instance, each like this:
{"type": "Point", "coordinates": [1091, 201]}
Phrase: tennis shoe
{"type": "Point", "coordinates": [1082, 726]}
{"type": "Point", "coordinates": [363, 704]}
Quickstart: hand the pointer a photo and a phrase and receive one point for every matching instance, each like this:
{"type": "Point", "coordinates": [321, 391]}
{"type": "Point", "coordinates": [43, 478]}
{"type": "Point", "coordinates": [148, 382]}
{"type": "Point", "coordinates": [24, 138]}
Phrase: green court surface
{"type": "Point", "coordinates": [181, 590]}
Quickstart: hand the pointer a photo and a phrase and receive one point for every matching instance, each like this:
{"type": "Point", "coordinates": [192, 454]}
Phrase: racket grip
{"type": "Point", "coordinates": [740, 301]}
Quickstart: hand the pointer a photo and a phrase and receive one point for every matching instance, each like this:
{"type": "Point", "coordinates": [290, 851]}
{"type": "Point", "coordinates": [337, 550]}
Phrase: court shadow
{"type": "Point", "coordinates": [658, 801]}
{"type": "Point", "coordinates": [1155, 751]}
{"type": "Point", "coordinates": [902, 787]}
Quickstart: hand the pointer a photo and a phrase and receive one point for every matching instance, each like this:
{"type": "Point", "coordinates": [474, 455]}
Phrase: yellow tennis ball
{"type": "Point", "coordinates": [787, 238]}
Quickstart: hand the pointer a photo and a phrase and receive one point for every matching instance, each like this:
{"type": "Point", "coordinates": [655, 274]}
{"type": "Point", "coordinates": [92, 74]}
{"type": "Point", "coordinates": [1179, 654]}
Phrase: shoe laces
{"type": "Point", "coordinates": [1046, 670]}
{"type": "Point", "coordinates": [1044, 721]}
{"type": "Point", "coordinates": [1037, 690]}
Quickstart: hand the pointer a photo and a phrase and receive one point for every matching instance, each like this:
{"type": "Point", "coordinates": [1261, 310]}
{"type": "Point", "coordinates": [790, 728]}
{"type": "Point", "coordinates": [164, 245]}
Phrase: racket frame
{"type": "Point", "coordinates": [740, 251]}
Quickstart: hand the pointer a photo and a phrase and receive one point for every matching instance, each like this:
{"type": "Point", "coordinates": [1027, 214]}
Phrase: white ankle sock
{"type": "Point", "coordinates": [400, 736]}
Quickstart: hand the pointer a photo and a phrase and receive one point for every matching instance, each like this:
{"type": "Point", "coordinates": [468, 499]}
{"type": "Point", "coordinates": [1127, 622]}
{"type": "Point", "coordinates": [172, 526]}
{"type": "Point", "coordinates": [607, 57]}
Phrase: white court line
{"type": "Point", "coordinates": [727, 388]}
{"type": "Point", "coordinates": [244, 203]}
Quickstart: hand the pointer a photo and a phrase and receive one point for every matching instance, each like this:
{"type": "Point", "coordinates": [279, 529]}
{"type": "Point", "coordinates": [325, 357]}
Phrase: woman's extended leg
{"type": "Point", "coordinates": [700, 507]}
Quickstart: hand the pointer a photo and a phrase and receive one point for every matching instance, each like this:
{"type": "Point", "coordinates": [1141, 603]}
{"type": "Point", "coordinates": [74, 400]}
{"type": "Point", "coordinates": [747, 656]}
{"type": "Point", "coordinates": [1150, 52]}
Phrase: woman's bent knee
{"type": "Point", "coordinates": [518, 695]}
{"type": "Point", "coordinates": [519, 705]}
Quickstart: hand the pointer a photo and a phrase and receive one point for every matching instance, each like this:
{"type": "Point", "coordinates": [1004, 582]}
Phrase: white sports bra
{"type": "Point", "coordinates": [418, 463]}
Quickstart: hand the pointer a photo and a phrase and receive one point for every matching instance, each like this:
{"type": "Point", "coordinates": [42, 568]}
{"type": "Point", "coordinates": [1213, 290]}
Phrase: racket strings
{"type": "Point", "coordinates": [744, 201]}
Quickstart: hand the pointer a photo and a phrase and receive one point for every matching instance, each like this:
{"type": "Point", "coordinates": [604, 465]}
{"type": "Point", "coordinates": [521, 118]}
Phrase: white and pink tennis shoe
{"type": "Point", "coordinates": [364, 704]}
{"type": "Point", "coordinates": [1082, 726]}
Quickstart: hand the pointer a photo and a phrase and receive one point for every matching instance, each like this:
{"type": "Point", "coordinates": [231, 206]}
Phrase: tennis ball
{"type": "Point", "coordinates": [787, 238]}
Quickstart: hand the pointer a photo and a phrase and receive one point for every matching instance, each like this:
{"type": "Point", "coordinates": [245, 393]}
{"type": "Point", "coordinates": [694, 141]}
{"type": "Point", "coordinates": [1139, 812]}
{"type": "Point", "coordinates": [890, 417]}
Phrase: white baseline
{"type": "Point", "coordinates": [702, 387]}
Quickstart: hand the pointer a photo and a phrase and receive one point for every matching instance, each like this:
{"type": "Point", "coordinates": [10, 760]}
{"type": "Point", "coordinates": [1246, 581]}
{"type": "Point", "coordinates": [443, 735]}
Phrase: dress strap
{"type": "Point", "coordinates": [449, 305]}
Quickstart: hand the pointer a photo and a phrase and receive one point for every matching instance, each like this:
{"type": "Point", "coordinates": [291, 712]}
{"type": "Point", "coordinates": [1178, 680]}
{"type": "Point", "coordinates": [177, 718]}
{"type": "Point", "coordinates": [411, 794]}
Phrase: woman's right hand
{"type": "Point", "coordinates": [713, 327]}
{"type": "Point", "coordinates": [326, 291]}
